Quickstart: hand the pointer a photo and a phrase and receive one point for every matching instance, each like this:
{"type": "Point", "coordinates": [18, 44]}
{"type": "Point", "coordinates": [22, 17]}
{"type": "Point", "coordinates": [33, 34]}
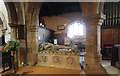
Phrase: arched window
{"type": "Point", "coordinates": [75, 29]}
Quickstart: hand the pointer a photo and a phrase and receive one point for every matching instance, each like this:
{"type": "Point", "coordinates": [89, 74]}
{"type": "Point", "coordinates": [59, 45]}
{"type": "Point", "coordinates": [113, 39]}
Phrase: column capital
{"type": "Point", "coordinates": [13, 24]}
{"type": "Point", "coordinates": [97, 19]}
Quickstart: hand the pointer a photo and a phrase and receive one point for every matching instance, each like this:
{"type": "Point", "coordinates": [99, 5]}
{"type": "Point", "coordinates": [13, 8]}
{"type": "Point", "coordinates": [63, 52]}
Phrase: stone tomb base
{"type": "Point", "coordinates": [68, 61]}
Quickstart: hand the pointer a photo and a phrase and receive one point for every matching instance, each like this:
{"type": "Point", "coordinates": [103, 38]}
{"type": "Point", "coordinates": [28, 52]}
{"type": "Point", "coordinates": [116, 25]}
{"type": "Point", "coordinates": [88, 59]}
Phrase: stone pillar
{"type": "Point", "coordinates": [92, 15]}
{"type": "Point", "coordinates": [93, 56]}
{"type": "Point", "coordinates": [32, 28]}
{"type": "Point", "coordinates": [32, 44]}
{"type": "Point", "coordinates": [13, 30]}
{"type": "Point", "coordinates": [31, 22]}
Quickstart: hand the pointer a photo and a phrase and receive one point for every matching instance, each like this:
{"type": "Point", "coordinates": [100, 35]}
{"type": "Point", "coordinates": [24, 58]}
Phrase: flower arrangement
{"type": "Point", "coordinates": [12, 45]}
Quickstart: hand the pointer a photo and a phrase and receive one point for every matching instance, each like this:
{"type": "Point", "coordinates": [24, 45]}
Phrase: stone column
{"type": "Point", "coordinates": [31, 22]}
{"type": "Point", "coordinates": [13, 30]}
{"type": "Point", "coordinates": [32, 44]}
{"type": "Point", "coordinates": [93, 56]}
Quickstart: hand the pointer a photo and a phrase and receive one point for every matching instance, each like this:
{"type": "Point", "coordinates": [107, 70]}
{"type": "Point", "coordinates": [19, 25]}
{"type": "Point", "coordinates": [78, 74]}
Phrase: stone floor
{"type": "Point", "coordinates": [46, 70]}
{"type": "Point", "coordinates": [110, 69]}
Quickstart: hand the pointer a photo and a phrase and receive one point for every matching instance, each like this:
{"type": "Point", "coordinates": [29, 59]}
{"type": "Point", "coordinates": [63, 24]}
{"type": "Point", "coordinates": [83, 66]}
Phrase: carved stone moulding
{"type": "Point", "coordinates": [34, 28]}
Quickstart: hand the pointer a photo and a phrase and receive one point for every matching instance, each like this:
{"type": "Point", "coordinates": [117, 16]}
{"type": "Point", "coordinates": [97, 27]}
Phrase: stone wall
{"type": "Point", "coordinates": [53, 22]}
{"type": "Point", "coordinates": [45, 35]}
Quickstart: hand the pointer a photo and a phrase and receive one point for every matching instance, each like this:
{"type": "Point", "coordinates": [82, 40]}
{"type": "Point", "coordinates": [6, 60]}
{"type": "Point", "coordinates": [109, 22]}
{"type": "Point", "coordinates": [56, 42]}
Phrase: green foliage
{"type": "Point", "coordinates": [52, 51]}
{"type": "Point", "coordinates": [65, 53]}
{"type": "Point", "coordinates": [24, 73]}
{"type": "Point", "coordinates": [11, 45]}
{"type": "Point", "coordinates": [39, 50]}
{"type": "Point", "coordinates": [46, 43]}
{"type": "Point", "coordinates": [78, 51]}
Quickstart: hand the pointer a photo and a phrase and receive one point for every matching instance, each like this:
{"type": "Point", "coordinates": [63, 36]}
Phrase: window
{"type": "Point", "coordinates": [75, 29]}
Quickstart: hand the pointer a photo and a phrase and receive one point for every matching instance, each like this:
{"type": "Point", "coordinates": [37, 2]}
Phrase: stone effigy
{"type": "Point", "coordinates": [51, 47]}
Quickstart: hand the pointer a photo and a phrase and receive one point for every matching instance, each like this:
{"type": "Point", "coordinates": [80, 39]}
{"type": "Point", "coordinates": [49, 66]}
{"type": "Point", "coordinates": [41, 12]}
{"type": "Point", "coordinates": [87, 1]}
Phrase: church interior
{"type": "Point", "coordinates": [59, 38]}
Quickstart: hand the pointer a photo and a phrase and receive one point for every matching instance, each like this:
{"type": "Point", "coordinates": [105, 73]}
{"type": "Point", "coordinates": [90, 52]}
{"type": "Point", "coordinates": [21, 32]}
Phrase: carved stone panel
{"type": "Point", "coordinates": [44, 58]}
{"type": "Point", "coordinates": [55, 59]}
{"type": "Point", "coordinates": [70, 60]}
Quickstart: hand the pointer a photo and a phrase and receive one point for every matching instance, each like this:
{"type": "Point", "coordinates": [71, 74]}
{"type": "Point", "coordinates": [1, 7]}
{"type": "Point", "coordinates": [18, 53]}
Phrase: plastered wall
{"type": "Point", "coordinates": [53, 22]}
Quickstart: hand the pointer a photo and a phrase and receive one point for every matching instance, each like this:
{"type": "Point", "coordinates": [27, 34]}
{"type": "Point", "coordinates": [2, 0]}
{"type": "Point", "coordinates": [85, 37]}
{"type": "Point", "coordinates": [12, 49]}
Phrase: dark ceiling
{"type": "Point", "coordinates": [55, 8]}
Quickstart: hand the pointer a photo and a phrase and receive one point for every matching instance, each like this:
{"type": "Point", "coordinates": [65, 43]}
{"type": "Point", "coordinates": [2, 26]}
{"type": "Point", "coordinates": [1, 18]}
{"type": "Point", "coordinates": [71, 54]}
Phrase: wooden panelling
{"type": "Point", "coordinates": [110, 36]}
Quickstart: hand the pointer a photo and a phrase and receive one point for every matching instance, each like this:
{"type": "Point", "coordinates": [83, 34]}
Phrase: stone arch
{"type": "Point", "coordinates": [12, 18]}
{"type": "Point", "coordinates": [12, 15]}
{"type": "Point", "coordinates": [3, 27]}
{"type": "Point", "coordinates": [86, 7]}
{"type": "Point", "coordinates": [32, 10]}
{"type": "Point", "coordinates": [20, 13]}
